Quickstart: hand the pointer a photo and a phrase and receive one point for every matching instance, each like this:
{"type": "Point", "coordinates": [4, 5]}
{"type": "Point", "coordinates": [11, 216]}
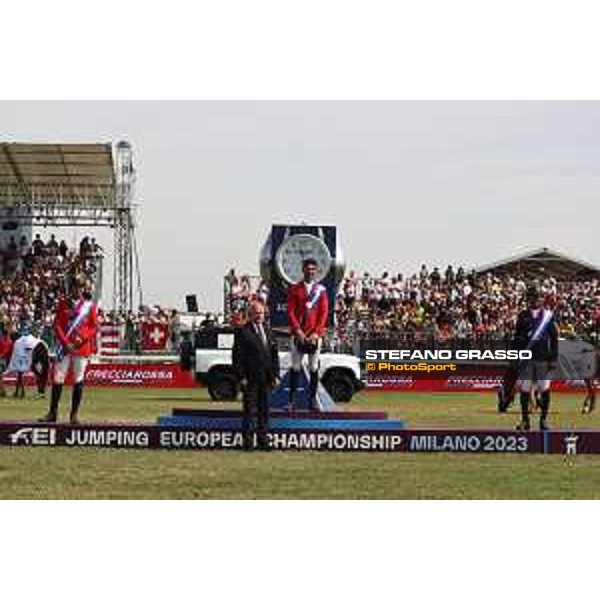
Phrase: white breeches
{"type": "Point", "coordinates": [312, 359]}
{"type": "Point", "coordinates": [76, 363]}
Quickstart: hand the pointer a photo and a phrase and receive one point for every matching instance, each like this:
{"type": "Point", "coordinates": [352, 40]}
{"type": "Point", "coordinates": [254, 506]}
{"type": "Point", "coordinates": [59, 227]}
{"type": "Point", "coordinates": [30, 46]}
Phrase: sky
{"type": "Point", "coordinates": [405, 182]}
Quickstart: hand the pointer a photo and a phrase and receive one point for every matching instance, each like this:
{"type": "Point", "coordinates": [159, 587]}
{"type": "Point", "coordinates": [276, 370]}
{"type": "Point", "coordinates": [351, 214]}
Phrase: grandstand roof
{"type": "Point", "coordinates": [543, 261]}
{"type": "Point", "coordinates": [56, 173]}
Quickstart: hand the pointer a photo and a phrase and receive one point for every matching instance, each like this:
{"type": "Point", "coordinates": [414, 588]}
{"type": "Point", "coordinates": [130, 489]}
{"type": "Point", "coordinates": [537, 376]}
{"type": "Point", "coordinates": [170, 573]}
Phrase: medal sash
{"type": "Point", "coordinates": [543, 321]}
{"type": "Point", "coordinates": [81, 311]}
{"type": "Point", "coordinates": [313, 298]}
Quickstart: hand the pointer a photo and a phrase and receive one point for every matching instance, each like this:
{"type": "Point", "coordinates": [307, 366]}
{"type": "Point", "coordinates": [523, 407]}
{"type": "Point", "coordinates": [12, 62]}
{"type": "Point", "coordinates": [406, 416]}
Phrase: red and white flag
{"type": "Point", "coordinates": [154, 336]}
{"type": "Point", "coordinates": [110, 339]}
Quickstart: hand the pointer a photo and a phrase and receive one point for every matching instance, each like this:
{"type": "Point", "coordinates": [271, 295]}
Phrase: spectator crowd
{"type": "Point", "coordinates": [35, 274]}
{"type": "Point", "coordinates": [458, 304]}
{"type": "Point", "coordinates": [433, 304]}
{"type": "Point", "coordinates": [239, 292]}
{"type": "Point", "coordinates": [430, 304]}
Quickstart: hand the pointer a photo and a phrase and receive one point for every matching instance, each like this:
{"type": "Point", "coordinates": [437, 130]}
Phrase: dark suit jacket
{"type": "Point", "coordinates": [252, 360]}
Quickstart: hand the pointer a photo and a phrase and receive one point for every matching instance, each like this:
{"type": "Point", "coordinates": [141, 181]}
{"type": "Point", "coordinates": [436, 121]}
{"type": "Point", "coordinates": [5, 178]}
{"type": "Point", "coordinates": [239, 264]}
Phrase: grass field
{"type": "Point", "coordinates": [106, 473]}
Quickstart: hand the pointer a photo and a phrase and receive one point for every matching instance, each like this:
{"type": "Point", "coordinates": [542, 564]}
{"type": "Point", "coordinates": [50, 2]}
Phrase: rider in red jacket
{"type": "Point", "coordinates": [307, 309]}
{"type": "Point", "coordinates": [76, 328]}
{"type": "Point", "coordinates": [6, 346]}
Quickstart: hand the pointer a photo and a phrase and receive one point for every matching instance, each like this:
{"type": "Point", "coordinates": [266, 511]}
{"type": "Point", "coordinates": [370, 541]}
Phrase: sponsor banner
{"type": "Point", "coordinates": [170, 375]}
{"type": "Point", "coordinates": [155, 375]}
{"type": "Point", "coordinates": [161, 375]}
{"type": "Point", "coordinates": [456, 383]}
{"type": "Point", "coordinates": [109, 435]}
{"type": "Point", "coordinates": [190, 438]}
{"type": "Point", "coordinates": [99, 435]}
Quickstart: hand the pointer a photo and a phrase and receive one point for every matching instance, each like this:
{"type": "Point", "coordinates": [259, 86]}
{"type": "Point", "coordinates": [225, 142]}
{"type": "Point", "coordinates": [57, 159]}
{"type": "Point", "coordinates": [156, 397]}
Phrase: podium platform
{"type": "Point", "coordinates": [234, 423]}
{"type": "Point", "coordinates": [306, 414]}
{"type": "Point", "coordinates": [326, 416]}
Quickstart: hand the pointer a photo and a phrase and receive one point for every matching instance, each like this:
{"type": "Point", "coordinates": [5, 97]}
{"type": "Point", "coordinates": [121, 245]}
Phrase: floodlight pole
{"type": "Point", "coordinates": [123, 229]}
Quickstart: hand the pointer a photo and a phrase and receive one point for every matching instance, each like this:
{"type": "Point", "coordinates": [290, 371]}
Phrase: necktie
{"type": "Point", "coordinates": [261, 334]}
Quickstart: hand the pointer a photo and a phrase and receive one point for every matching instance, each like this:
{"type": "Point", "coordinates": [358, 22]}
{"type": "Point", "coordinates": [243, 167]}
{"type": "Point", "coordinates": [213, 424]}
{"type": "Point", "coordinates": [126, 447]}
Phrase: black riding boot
{"type": "Point", "coordinates": [544, 408]}
{"type": "Point", "coordinates": [524, 424]}
{"type": "Point", "coordinates": [54, 402]}
{"type": "Point", "coordinates": [76, 401]}
{"type": "Point", "coordinates": [312, 391]}
{"type": "Point", "coordinates": [293, 389]}
{"type": "Point", "coordinates": [20, 390]}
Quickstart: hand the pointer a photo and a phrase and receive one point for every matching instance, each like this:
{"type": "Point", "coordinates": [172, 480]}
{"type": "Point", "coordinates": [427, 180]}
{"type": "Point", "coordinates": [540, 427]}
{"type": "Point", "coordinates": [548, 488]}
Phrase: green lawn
{"type": "Point", "coordinates": [107, 473]}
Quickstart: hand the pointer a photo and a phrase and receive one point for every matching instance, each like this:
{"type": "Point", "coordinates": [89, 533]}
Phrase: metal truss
{"type": "Point", "coordinates": [82, 205]}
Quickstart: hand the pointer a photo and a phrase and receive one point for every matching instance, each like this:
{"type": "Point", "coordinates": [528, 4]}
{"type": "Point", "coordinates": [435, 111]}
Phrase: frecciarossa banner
{"type": "Point", "coordinates": [165, 375]}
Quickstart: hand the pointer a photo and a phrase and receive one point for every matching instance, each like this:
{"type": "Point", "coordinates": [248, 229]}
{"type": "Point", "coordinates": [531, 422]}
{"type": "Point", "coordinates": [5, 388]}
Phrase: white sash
{"type": "Point", "coordinates": [315, 293]}
{"type": "Point", "coordinates": [75, 324]}
{"type": "Point", "coordinates": [541, 328]}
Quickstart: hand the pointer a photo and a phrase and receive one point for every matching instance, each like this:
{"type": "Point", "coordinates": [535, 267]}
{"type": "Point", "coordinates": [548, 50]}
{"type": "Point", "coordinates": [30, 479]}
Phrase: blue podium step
{"type": "Point", "coordinates": [235, 424]}
{"type": "Point", "coordinates": [281, 394]}
{"type": "Point", "coordinates": [340, 415]}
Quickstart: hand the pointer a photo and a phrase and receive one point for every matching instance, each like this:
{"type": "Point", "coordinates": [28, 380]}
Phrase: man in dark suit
{"type": "Point", "coordinates": [256, 363]}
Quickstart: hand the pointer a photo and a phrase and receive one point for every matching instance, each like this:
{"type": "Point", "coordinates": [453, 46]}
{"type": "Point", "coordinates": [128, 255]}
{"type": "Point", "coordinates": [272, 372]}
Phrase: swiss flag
{"type": "Point", "coordinates": [154, 336]}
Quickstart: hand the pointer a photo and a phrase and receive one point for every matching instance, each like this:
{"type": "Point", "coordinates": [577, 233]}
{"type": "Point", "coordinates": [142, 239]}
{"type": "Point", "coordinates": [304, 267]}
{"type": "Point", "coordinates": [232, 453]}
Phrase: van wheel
{"type": "Point", "coordinates": [339, 385]}
{"type": "Point", "coordinates": [223, 386]}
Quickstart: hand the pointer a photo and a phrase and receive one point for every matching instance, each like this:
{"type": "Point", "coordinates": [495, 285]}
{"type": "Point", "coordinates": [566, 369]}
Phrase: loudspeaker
{"type": "Point", "coordinates": [192, 303]}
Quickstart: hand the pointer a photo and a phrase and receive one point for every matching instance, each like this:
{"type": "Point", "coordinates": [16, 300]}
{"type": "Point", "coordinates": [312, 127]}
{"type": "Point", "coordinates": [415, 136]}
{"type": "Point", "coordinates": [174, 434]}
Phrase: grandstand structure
{"type": "Point", "coordinates": [542, 262]}
{"type": "Point", "coordinates": [69, 185]}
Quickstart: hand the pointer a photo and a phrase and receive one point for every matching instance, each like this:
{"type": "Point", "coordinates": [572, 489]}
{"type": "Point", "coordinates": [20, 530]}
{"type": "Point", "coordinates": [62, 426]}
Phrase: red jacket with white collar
{"type": "Point", "coordinates": [300, 317]}
{"type": "Point", "coordinates": [84, 338]}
